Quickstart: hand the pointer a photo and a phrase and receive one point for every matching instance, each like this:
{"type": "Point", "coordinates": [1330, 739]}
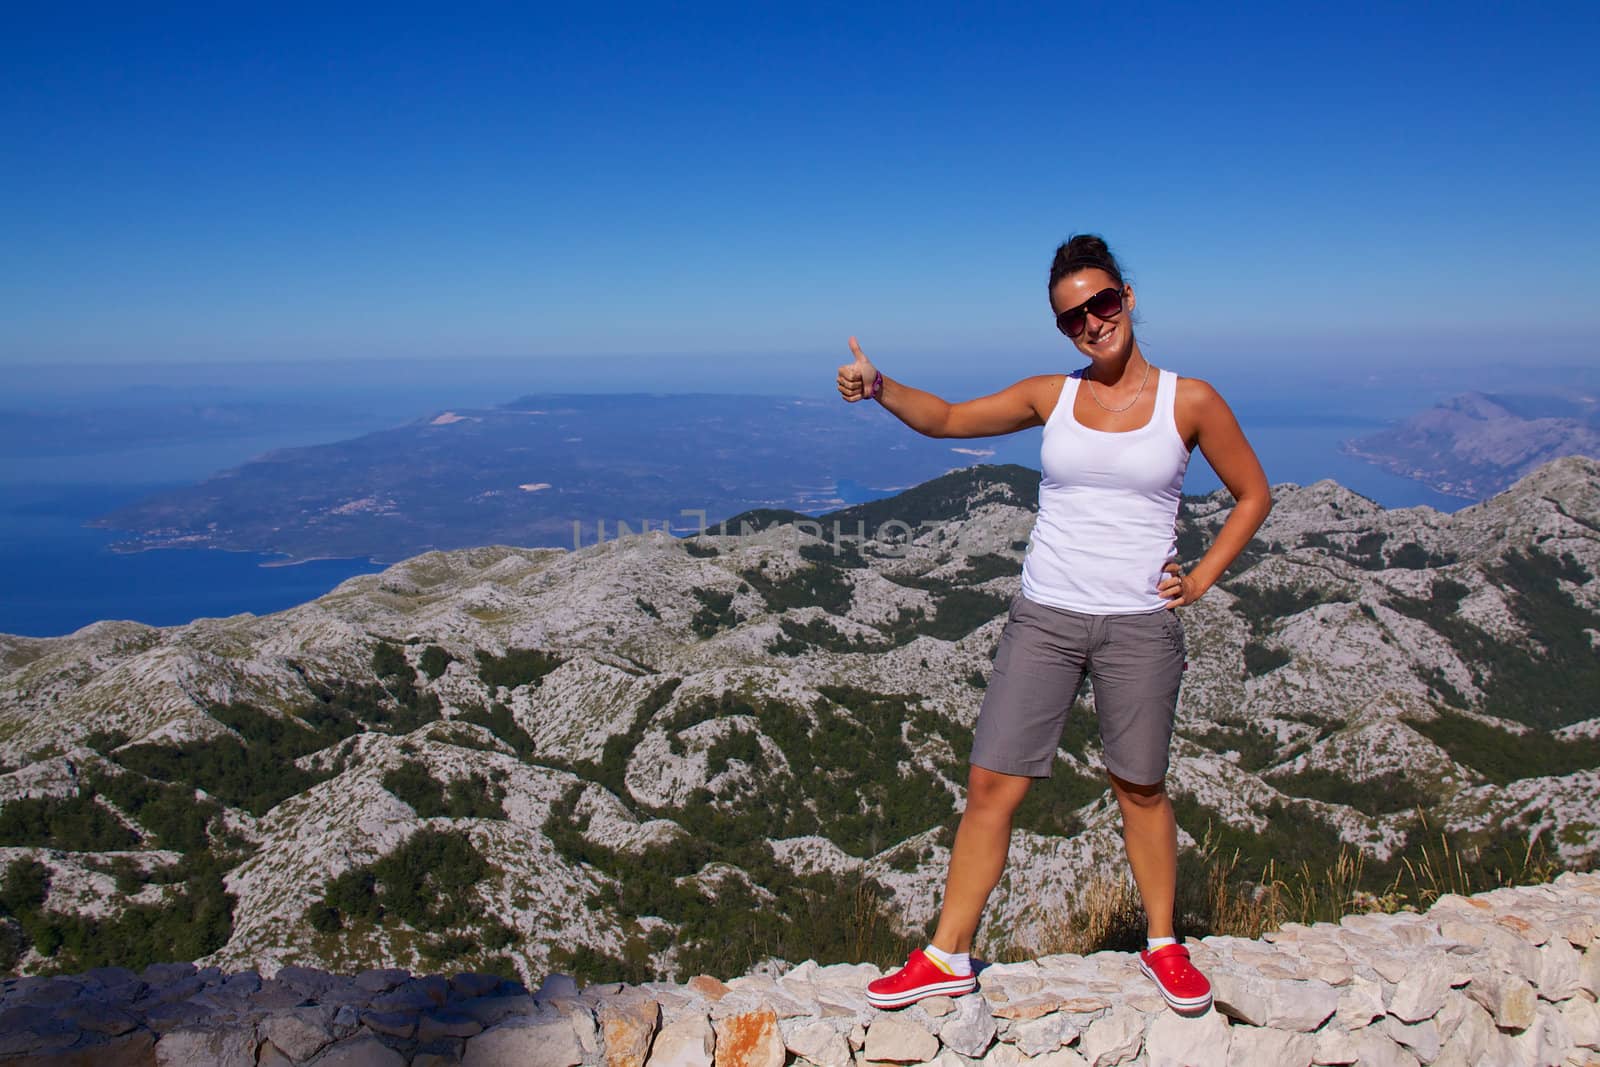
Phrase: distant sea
{"type": "Point", "coordinates": [57, 575]}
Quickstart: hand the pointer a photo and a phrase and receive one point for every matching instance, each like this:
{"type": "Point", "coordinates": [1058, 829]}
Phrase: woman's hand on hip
{"type": "Point", "coordinates": [855, 379]}
{"type": "Point", "coordinates": [1179, 588]}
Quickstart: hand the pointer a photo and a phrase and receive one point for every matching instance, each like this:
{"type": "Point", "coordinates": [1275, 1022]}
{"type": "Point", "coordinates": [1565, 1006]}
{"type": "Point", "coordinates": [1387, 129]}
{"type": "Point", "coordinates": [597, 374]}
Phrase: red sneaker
{"type": "Point", "coordinates": [919, 979]}
{"type": "Point", "coordinates": [1183, 986]}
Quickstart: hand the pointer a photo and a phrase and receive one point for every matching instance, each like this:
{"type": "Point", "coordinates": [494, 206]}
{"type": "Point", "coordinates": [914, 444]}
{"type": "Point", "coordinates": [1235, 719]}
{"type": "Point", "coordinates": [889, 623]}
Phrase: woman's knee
{"type": "Point", "coordinates": [990, 792]}
{"type": "Point", "coordinates": [1137, 795]}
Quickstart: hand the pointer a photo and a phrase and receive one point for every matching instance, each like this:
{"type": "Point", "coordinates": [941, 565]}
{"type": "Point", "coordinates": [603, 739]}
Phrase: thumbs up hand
{"type": "Point", "coordinates": [855, 379]}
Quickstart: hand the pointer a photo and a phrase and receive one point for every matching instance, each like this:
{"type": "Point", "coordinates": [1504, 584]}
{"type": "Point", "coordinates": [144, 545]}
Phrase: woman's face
{"type": "Point", "coordinates": [1101, 339]}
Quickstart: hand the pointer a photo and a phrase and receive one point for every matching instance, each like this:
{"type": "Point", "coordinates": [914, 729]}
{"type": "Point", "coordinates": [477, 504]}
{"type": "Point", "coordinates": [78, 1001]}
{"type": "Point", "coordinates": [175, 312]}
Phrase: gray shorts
{"type": "Point", "coordinates": [1135, 663]}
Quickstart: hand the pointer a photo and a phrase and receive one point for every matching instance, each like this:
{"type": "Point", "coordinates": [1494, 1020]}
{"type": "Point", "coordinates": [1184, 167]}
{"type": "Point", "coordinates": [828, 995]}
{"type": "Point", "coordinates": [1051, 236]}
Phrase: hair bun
{"type": "Point", "coordinates": [1085, 245]}
{"type": "Point", "coordinates": [1084, 251]}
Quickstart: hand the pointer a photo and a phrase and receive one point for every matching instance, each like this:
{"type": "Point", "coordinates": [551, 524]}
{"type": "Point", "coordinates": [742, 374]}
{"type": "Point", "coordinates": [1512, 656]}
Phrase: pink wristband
{"type": "Point", "coordinates": [877, 384]}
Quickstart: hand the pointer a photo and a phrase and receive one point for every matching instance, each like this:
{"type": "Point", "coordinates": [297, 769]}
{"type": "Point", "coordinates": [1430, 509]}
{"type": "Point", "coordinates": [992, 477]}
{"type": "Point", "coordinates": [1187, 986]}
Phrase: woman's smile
{"type": "Point", "coordinates": [1105, 335]}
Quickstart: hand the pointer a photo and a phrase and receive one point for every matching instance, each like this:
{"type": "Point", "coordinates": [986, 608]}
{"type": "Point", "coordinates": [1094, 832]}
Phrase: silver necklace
{"type": "Point", "coordinates": [1130, 403]}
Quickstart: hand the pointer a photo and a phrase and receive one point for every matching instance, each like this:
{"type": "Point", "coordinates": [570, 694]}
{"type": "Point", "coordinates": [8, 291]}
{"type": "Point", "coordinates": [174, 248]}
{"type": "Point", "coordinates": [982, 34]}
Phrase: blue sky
{"type": "Point", "coordinates": [1395, 184]}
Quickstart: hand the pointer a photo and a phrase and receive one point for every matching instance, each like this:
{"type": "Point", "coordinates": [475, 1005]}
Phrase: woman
{"type": "Point", "coordinates": [1099, 589]}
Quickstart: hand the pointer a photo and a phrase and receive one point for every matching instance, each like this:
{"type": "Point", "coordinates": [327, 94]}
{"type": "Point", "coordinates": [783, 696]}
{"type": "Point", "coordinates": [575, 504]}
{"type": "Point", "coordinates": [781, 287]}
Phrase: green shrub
{"type": "Point", "coordinates": [72, 824]}
{"type": "Point", "coordinates": [1382, 794]}
{"type": "Point", "coordinates": [1504, 757]}
{"type": "Point", "coordinates": [742, 745]}
{"type": "Point", "coordinates": [172, 813]}
{"type": "Point", "coordinates": [25, 887]}
{"type": "Point", "coordinates": [1413, 557]}
{"type": "Point", "coordinates": [715, 613]}
{"type": "Point", "coordinates": [434, 661]}
{"type": "Point", "coordinates": [838, 554]}
{"type": "Point", "coordinates": [1256, 747]}
{"type": "Point", "coordinates": [500, 721]}
{"type": "Point", "coordinates": [464, 798]}
{"type": "Point", "coordinates": [518, 667]}
{"type": "Point", "coordinates": [820, 585]}
{"type": "Point", "coordinates": [799, 638]}
{"type": "Point", "coordinates": [427, 883]}
{"type": "Point", "coordinates": [1261, 658]}
{"type": "Point", "coordinates": [192, 922]}
{"type": "Point", "coordinates": [1263, 606]}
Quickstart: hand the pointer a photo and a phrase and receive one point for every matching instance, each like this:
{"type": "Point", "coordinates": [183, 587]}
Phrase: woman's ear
{"type": "Point", "coordinates": [1128, 300]}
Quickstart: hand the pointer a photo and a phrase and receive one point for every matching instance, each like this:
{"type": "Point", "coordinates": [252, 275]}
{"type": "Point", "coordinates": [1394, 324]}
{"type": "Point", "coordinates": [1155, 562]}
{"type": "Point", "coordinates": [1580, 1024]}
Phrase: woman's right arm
{"type": "Point", "coordinates": [1013, 408]}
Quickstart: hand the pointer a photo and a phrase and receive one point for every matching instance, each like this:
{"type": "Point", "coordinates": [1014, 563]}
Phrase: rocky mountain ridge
{"type": "Point", "coordinates": [660, 756]}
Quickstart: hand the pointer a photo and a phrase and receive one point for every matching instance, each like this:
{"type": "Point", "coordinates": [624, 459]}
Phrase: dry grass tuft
{"type": "Point", "coordinates": [1215, 897]}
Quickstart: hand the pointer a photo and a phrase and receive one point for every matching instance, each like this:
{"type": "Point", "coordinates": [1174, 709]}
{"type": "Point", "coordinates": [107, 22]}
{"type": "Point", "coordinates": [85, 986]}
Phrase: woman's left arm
{"type": "Point", "coordinates": [1206, 422]}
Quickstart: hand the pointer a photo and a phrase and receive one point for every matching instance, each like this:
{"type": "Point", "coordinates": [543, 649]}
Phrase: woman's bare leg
{"type": "Point", "coordinates": [1150, 832]}
{"type": "Point", "coordinates": [978, 855]}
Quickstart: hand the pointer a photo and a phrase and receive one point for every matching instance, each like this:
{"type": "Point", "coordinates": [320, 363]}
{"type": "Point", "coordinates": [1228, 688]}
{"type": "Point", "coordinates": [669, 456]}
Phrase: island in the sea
{"type": "Point", "coordinates": [547, 470]}
{"type": "Point", "coordinates": [1478, 444]}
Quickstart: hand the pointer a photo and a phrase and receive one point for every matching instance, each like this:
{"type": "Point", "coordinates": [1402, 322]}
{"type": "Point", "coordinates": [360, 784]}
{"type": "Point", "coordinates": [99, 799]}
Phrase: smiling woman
{"type": "Point", "coordinates": [1099, 589]}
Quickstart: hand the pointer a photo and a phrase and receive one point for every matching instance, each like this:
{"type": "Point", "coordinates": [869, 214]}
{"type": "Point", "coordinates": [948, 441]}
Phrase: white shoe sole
{"type": "Point", "coordinates": [953, 988]}
{"type": "Point", "coordinates": [1181, 1003]}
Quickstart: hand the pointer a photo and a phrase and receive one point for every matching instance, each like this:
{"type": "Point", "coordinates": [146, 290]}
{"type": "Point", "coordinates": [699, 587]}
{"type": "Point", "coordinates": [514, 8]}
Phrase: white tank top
{"type": "Point", "coordinates": [1108, 505]}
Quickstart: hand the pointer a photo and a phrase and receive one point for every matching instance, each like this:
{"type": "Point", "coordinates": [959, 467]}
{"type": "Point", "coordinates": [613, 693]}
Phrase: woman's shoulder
{"type": "Point", "coordinates": [1195, 390]}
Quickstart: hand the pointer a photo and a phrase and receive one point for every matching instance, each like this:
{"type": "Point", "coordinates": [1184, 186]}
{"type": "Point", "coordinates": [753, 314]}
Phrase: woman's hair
{"type": "Point", "coordinates": [1083, 251]}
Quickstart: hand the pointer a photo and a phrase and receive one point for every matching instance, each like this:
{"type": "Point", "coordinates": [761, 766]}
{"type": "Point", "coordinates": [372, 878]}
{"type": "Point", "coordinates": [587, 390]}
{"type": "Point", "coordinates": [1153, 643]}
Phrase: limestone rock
{"type": "Point", "coordinates": [581, 1019]}
{"type": "Point", "coordinates": [1264, 1045]}
{"type": "Point", "coordinates": [817, 1042]}
{"type": "Point", "coordinates": [1113, 1038]}
{"type": "Point", "coordinates": [1466, 1032]}
{"type": "Point", "coordinates": [685, 1042]}
{"type": "Point", "coordinates": [1181, 1041]}
{"type": "Point", "coordinates": [626, 1030]}
{"type": "Point", "coordinates": [708, 987]}
{"type": "Point", "coordinates": [1061, 1057]}
{"type": "Point", "coordinates": [1335, 1046]}
{"type": "Point", "coordinates": [1002, 1056]}
{"type": "Point", "coordinates": [557, 987]}
{"type": "Point", "coordinates": [1420, 994]}
{"type": "Point", "coordinates": [546, 1042]}
{"type": "Point", "coordinates": [892, 1039]}
{"type": "Point", "coordinates": [1035, 1037]}
{"type": "Point", "coordinates": [487, 1011]}
{"type": "Point", "coordinates": [1375, 1049]}
{"type": "Point", "coordinates": [195, 1047]}
{"type": "Point", "coordinates": [365, 1051]}
{"type": "Point", "coordinates": [749, 1039]}
{"type": "Point", "coordinates": [970, 1029]}
{"type": "Point", "coordinates": [1300, 1006]}
{"type": "Point", "coordinates": [1558, 970]}
{"type": "Point", "coordinates": [1421, 1038]}
{"type": "Point", "coordinates": [1360, 1002]}
{"type": "Point", "coordinates": [381, 980]}
{"type": "Point", "coordinates": [469, 984]}
{"type": "Point", "coordinates": [1589, 970]}
{"type": "Point", "coordinates": [401, 1024]}
{"type": "Point", "coordinates": [1508, 998]}
{"type": "Point", "coordinates": [1583, 1022]}
{"type": "Point", "coordinates": [299, 1034]}
{"type": "Point", "coordinates": [436, 1026]}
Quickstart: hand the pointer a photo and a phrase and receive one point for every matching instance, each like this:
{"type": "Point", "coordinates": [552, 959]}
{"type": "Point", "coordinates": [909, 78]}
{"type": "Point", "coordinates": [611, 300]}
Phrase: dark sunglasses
{"type": "Point", "coordinates": [1106, 304]}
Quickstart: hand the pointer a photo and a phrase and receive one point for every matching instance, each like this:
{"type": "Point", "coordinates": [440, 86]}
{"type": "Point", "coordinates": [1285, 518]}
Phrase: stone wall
{"type": "Point", "coordinates": [1505, 978]}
